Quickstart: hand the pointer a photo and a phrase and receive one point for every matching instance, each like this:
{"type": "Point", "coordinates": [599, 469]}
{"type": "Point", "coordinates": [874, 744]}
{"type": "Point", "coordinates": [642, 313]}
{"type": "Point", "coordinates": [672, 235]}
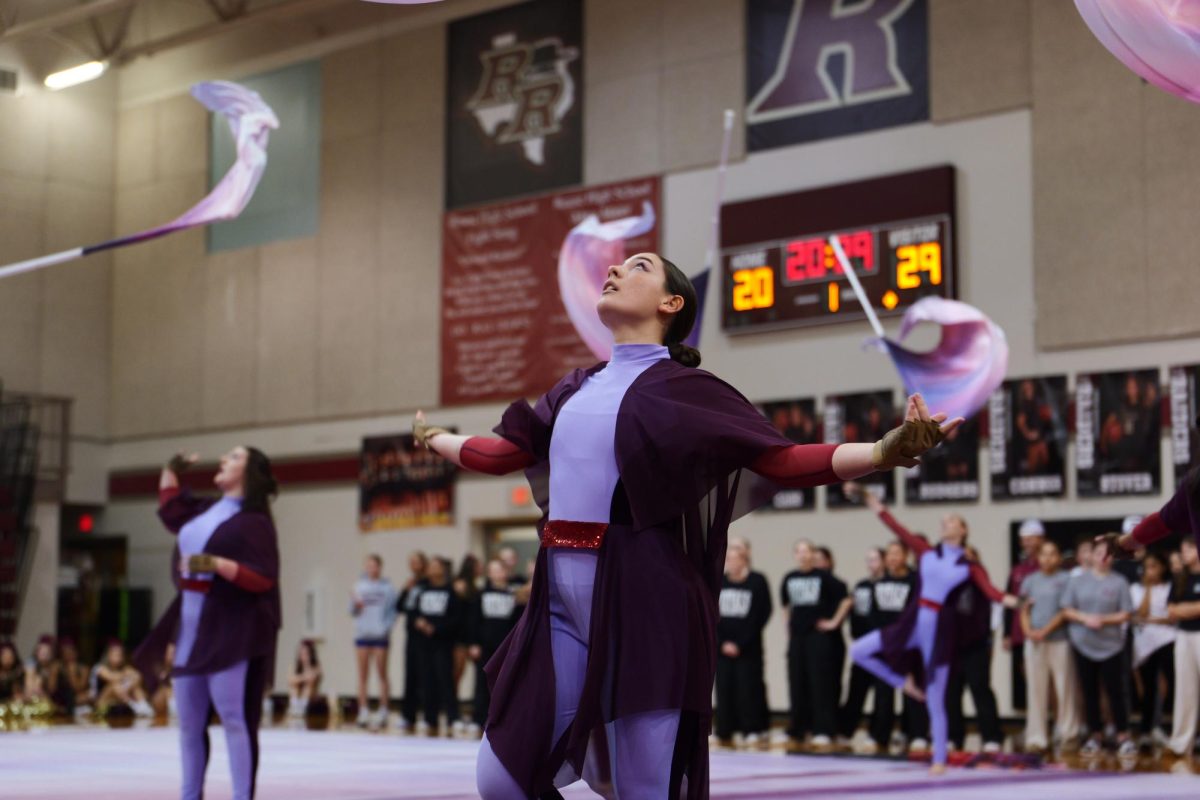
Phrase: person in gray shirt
{"type": "Point", "coordinates": [373, 606]}
{"type": "Point", "coordinates": [1097, 605]}
{"type": "Point", "coordinates": [1047, 652]}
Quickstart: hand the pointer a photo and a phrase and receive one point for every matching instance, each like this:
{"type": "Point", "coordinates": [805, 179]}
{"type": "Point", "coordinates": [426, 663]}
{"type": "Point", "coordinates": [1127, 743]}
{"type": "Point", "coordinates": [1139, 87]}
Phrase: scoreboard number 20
{"type": "Point", "coordinates": [753, 288]}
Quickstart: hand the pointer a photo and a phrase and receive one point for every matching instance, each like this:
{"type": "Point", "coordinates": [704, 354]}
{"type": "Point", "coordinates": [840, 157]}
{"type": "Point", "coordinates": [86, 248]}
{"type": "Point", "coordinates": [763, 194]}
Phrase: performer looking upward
{"type": "Point", "coordinates": [636, 464]}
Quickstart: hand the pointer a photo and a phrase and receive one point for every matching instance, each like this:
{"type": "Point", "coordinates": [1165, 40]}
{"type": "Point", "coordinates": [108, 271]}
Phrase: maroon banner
{"type": "Point", "coordinates": [505, 332]}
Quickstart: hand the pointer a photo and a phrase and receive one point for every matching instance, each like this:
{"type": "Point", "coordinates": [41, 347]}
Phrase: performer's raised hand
{"type": "Point", "coordinates": [182, 462]}
{"type": "Point", "coordinates": [920, 432]}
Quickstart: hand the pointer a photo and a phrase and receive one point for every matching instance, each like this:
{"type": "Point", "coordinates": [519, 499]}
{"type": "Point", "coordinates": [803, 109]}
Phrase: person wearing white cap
{"type": "Point", "coordinates": [1032, 533]}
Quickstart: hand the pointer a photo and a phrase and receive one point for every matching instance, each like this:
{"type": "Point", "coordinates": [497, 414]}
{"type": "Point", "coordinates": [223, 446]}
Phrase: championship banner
{"type": "Point", "coordinates": [796, 420]}
{"type": "Point", "coordinates": [1027, 438]}
{"type": "Point", "coordinates": [822, 68]}
{"type": "Point", "coordinates": [864, 417]}
{"type": "Point", "coordinates": [514, 105]}
{"type": "Point", "coordinates": [402, 486]}
{"type": "Point", "coordinates": [1118, 427]}
{"type": "Point", "coordinates": [505, 331]}
{"type": "Point", "coordinates": [949, 473]}
{"type": "Point", "coordinates": [1184, 409]}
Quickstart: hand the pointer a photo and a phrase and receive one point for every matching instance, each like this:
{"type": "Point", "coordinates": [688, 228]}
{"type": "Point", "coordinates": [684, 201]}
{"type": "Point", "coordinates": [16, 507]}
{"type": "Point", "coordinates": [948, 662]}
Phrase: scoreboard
{"type": "Point", "coordinates": [779, 269]}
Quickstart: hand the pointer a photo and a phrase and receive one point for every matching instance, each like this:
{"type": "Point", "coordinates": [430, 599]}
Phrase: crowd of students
{"type": "Point", "coordinates": [55, 681]}
{"type": "Point", "coordinates": [451, 621]}
{"type": "Point", "coordinates": [1098, 640]}
{"type": "Point", "coordinates": [1095, 639]}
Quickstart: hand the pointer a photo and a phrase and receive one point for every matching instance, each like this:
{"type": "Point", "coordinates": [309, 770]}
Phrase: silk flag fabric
{"type": "Point", "coordinates": [1157, 39]}
{"type": "Point", "coordinates": [968, 363]}
{"type": "Point", "coordinates": [589, 250]}
{"type": "Point", "coordinates": [250, 122]}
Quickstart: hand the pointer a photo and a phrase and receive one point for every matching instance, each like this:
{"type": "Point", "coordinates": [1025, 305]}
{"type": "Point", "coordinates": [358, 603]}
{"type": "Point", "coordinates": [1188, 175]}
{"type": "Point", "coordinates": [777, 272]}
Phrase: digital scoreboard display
{"type": "Point", "coordinates": [779, 269]}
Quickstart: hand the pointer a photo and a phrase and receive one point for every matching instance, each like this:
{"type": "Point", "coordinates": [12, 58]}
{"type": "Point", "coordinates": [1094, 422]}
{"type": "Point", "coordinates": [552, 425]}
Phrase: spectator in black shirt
{"type": "Point", "coordinates": [494, 614]}
{"type": "Point", "coordinates": [862, 622]}
{"type": "Point", "coordinates": [812, 598]}
{"type": "Point", "coordinates": [1184, 609]}
{"type": "Point", "coordinates": [406, 604]}
{"type": "Point", "coordinates": [439, 618]}
{"type": "Point", "coordinates": [745, 606]}
{"type": "Point", "coordinates": [893, 592]}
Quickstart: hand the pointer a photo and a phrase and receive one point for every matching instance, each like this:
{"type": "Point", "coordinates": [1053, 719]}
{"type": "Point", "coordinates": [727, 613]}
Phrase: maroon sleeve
{"type": "Point", "coordinates": [494, 456]}
{"type": "Point", "coordinates": [251, 581]}
{"type": "Point", "coordinates": [176, 507]}
{"type": "Point", "coordinates": [1151, 529]}
{"type": "Point", "coordinates": [981, 580]}
{"type": "Point", "coordinates": [801, 465]}
{"type": "Point", "coordinates": [910, 539]}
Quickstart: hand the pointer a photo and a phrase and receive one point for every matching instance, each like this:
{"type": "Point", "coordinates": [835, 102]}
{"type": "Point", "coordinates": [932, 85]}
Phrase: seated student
{"type": "Point", "coordinates": [1047, 651]}
{"type": "Point", "coordinates": [119, 683]}
{"type": "Point", "coordinates": [304, 684]}
{"type": "Point", "coordinates": [77, 676]}
{"type": "Point", "coordinates": [12, 674]}
{"type": "Point", "coordinates": [1097, 605]}
{"type": "Point", "coordinates": [43, 676]}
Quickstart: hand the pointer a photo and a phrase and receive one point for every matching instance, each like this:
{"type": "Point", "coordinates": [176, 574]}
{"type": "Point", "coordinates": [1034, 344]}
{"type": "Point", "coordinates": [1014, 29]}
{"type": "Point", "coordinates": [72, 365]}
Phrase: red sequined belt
{"type": "Point", "coordinates": [193, 585]}
{"type": "Point", "coordinates": [579, 535]}
{"type": "Point", "coordinates": [930, 604]}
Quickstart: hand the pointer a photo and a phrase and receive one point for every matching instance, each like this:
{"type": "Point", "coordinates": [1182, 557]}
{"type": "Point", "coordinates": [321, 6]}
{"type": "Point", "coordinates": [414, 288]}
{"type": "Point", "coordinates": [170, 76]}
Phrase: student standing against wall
{"type": "Point", "coordinates": [745, 607]}
{"type": "Point", "coordinates": [373, 606]}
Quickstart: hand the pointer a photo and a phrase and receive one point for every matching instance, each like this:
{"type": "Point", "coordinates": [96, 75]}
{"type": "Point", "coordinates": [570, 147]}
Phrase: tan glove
{"type": "Point", "coordinates": [423, 432]}
{"type": "Point", "coordinates": [202, 562]}
{"type": "Point", "coordinates": [901, 447]}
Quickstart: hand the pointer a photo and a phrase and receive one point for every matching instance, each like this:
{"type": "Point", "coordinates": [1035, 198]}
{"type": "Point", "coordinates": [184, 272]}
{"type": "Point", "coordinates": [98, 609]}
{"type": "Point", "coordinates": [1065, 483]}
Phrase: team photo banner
{"type": "Point", "coordinates": [402, 486]}
{"type": "Point", "coordinates": [1027, 438]}
{"type": "Point", "coordinates": [1118, 430]}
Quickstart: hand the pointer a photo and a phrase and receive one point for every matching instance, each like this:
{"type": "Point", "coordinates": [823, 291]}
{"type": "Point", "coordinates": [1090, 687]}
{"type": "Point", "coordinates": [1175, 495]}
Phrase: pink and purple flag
{"type": "Point", "coordinates": [966, 366]}
{"type": "Point", "coordinates": [1157, 39]}
{"type": "Point", "coordinates": [588, 251]}
{"type": "Point", "coordinates": [250, 121]}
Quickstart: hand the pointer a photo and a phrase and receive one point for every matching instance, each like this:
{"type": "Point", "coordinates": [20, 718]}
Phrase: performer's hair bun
{"type": "Point", "coordinates": [688, 356]}
{"type": "Point", "coordinates": [679, 283]}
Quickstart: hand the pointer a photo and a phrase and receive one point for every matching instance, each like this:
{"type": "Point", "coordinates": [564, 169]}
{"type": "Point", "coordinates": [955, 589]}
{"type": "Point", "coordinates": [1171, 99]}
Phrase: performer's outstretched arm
{"type": "Point", "coordinates": [490, 455]}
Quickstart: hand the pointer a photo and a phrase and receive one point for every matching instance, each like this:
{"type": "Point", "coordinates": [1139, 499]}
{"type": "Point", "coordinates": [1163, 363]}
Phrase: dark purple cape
{"type": "Point", "coordinates": [235, 625]}
{"type": "Point", "coordinates": [964, 619]}
{"type": "Point", "coordinates": [682, 438]}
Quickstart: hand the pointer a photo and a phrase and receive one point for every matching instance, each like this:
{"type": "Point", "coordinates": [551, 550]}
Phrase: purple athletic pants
{"type": "Point", "coordinates": [236, 694]}
{"type": "Point", "coordinates": [641, 746]}
{"type": "Point", "coordinates": [865, 653]}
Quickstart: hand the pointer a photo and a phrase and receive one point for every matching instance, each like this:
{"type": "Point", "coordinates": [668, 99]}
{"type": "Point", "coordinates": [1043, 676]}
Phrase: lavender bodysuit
{"type": "Point", "coordinates": [583, 477]}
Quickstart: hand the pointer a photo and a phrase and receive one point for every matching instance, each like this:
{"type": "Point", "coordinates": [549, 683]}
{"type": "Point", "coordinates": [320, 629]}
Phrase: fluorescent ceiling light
{"type": "Point", "coordinates": [76, 75]}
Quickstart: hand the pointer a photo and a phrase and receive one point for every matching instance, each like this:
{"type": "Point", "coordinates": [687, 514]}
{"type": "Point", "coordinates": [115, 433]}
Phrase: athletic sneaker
{"type": "Point", "coordinates": [1090, 748]}
{"type": "Point", "coordinates": [381, 717]}
{"type": "Point", "coordinates": [422, 728]}
{"type": "Point", "coordinates": [821, 740]}
{"type": "Point", "coordinates": [142, 708]}
{"type": "Point", "coordinates": [1127, 748]}
{"type": "Point", "coordinates": [364, 717]}
{"type": "Point", "coordinates": [458, 729]}
{"type": "Point", "coordinates": [918, 745]}
{"type": "Point", "coordinates": [992, 747]}
{"type": "Point", "coordinates": [474, 731]}
{"type": "Point", "coordinates": [751, 740]}
{"type": "Point", "coordinates": [401, 725]}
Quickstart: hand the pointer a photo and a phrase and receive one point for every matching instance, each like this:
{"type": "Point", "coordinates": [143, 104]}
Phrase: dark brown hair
{"type": "Point", "coordinates": [258, 483]}
{"type": "Point", "coordinates": [683, 321]}
{"type": "Point", "coordinates": [311, 647]}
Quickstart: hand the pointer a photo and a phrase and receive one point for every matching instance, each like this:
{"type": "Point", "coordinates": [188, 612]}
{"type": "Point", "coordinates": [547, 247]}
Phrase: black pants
{"type": "Point", "coordinates": [861, 683]}
{"type": "Point", "coordinates": [741, 695]}
{"type": "Point", "coordinates": [812, 686]}
{"type": "Point", "coordinates": [1160, 662]}
{"type": "Point", "coordinates": [1111, 673]}
{"type": "Point", "coordinates": [413, 667]}
{"type": "Point", "coordinates": [973, 671]}
{"type": "Point", "coordinates": [483, 697]}
{"type": "Point", "coordinates": [440, 694]}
